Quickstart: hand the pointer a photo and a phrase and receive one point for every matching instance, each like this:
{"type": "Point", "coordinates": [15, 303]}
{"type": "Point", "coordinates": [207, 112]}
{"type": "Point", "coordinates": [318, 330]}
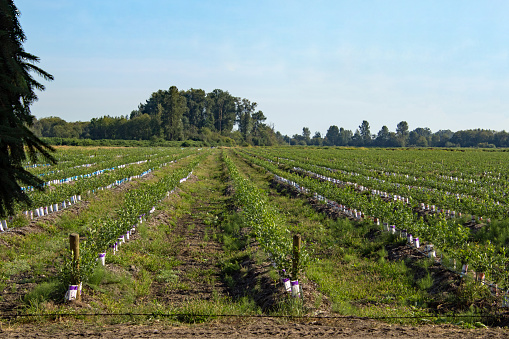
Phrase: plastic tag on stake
{"type": "Point", "coordinates": [287, 284]}
{"type": "Point", "coordinates": [295, 288]}
{"type": "Point", "coordinates": [73, 292]}
{"type": "Point", "coordinates": [102, 259]}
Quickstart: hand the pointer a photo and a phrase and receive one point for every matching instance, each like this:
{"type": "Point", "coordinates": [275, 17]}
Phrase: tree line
{"type": "Point", "coordinates": [173, 115]}
{"type": "Point", "coordinates": [402, 137]}
{"type": "Point", "coordinates": [219, 118]}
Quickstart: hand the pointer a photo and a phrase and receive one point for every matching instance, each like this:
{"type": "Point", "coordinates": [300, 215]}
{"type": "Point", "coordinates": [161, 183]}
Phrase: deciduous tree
{"type": "Point", "coordinates": [365, 133]}
{"type": "Point", "coordinates": [402, 133]}
{"type": "Point", "coordinates": [383, 136]}
{"type": "Point", "coordinates": [332, 136]}
{"type": "Point", "coordinates": [306, 133]}
{"type": "Point", "coordinates": [172, 110]}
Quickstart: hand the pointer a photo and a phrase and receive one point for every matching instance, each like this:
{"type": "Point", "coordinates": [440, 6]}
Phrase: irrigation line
{"type": "Point", "coordinates": [13, 315]}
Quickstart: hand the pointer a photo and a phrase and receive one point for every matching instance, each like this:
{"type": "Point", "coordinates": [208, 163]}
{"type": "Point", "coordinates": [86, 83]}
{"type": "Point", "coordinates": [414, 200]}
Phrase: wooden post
{"type": "Point", "coordinates": [74, 243]}
{"type": "Point", "coordinates": [296, 254]}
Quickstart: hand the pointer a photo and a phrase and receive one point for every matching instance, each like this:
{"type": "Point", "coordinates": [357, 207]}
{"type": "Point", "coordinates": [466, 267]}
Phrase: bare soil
{"type": "Point", "coordinates": [250, 328]}
{"type": "Point", "coordinates": [196, 256]}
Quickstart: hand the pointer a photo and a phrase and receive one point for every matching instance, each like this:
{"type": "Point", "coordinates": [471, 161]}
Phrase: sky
{"type": "Point", "coordinates": [436, 64]}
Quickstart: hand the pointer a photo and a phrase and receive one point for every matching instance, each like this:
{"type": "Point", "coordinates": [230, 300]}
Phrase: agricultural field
{"type": "Point", "coordinates": [259, 242]}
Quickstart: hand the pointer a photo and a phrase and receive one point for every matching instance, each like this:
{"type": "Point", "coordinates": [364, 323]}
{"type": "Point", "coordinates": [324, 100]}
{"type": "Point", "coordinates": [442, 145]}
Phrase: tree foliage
{"type": "Point", "coordinates": [402, 133]}
{"type": "Point", "coordinates": [17, 92]}
{"type": "Point", "coordinates": [332, 136]}
{"type": "Point", "coordinates": [365, 133]}
{"type": "Point", "coordinates": [402, 137]}
{"type": "Point", "coordinates": [172, 115]}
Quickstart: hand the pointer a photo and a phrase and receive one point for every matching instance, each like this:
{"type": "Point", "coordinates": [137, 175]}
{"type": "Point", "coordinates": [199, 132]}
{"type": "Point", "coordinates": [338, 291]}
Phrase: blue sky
{"type": "Point", "coordinates": [436, 64]}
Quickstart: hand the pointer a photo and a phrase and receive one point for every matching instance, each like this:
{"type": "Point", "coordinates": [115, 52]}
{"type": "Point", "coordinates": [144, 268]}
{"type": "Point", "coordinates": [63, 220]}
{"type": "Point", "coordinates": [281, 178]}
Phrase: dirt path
{"type": "Point", "coordinates": [252, 328]}
{"type": "Point", "coordinates": [193, 246]}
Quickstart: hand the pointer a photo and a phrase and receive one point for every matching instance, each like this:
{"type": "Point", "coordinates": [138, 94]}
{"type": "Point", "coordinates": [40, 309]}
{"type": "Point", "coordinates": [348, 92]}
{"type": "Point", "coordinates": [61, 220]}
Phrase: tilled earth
{"type": "Point", "coordinates": [251, 328]}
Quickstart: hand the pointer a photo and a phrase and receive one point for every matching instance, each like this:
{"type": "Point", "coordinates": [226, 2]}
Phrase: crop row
{"type": "Point", "coordinates": [111, 231]}
{"type": "Point", "coordinates": [412, 172]}
{"type": "Point", "coordinates": [82, 169]}
{"type": "Point", "coordinates": [486, 208]}
{"type": "Point", "coordinates": [266, 221]}
{"type": "Point", "coordinates": [70, 159]}
{"type": "Point", "coordinates": [446, 234]}
{"type": "Point", "coordinates": [57, 194]}
{"type": "Point", "coordinates": [427, 250]}
{"type": "Point", "coordinates": [415, 195]}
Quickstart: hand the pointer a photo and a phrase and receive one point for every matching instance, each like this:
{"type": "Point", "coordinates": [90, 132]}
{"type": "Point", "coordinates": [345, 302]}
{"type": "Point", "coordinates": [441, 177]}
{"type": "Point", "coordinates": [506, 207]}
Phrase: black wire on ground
{"type": "Point", "coordinates": [13, 315]}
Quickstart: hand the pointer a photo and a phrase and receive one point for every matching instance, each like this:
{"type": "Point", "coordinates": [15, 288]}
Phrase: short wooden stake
{"type": "Point", "coordinates": [74, 243]}
{"type": "Point", "coordinates": [296, 255]}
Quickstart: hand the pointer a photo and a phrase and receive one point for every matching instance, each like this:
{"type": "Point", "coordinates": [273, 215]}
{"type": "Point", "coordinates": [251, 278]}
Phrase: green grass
{"type": "Point", "coordinates": [167, 276]}
{"type": "Point", "coordinates": [41, 293]}
{"type": "Point", "coordinates": [425, 283]}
